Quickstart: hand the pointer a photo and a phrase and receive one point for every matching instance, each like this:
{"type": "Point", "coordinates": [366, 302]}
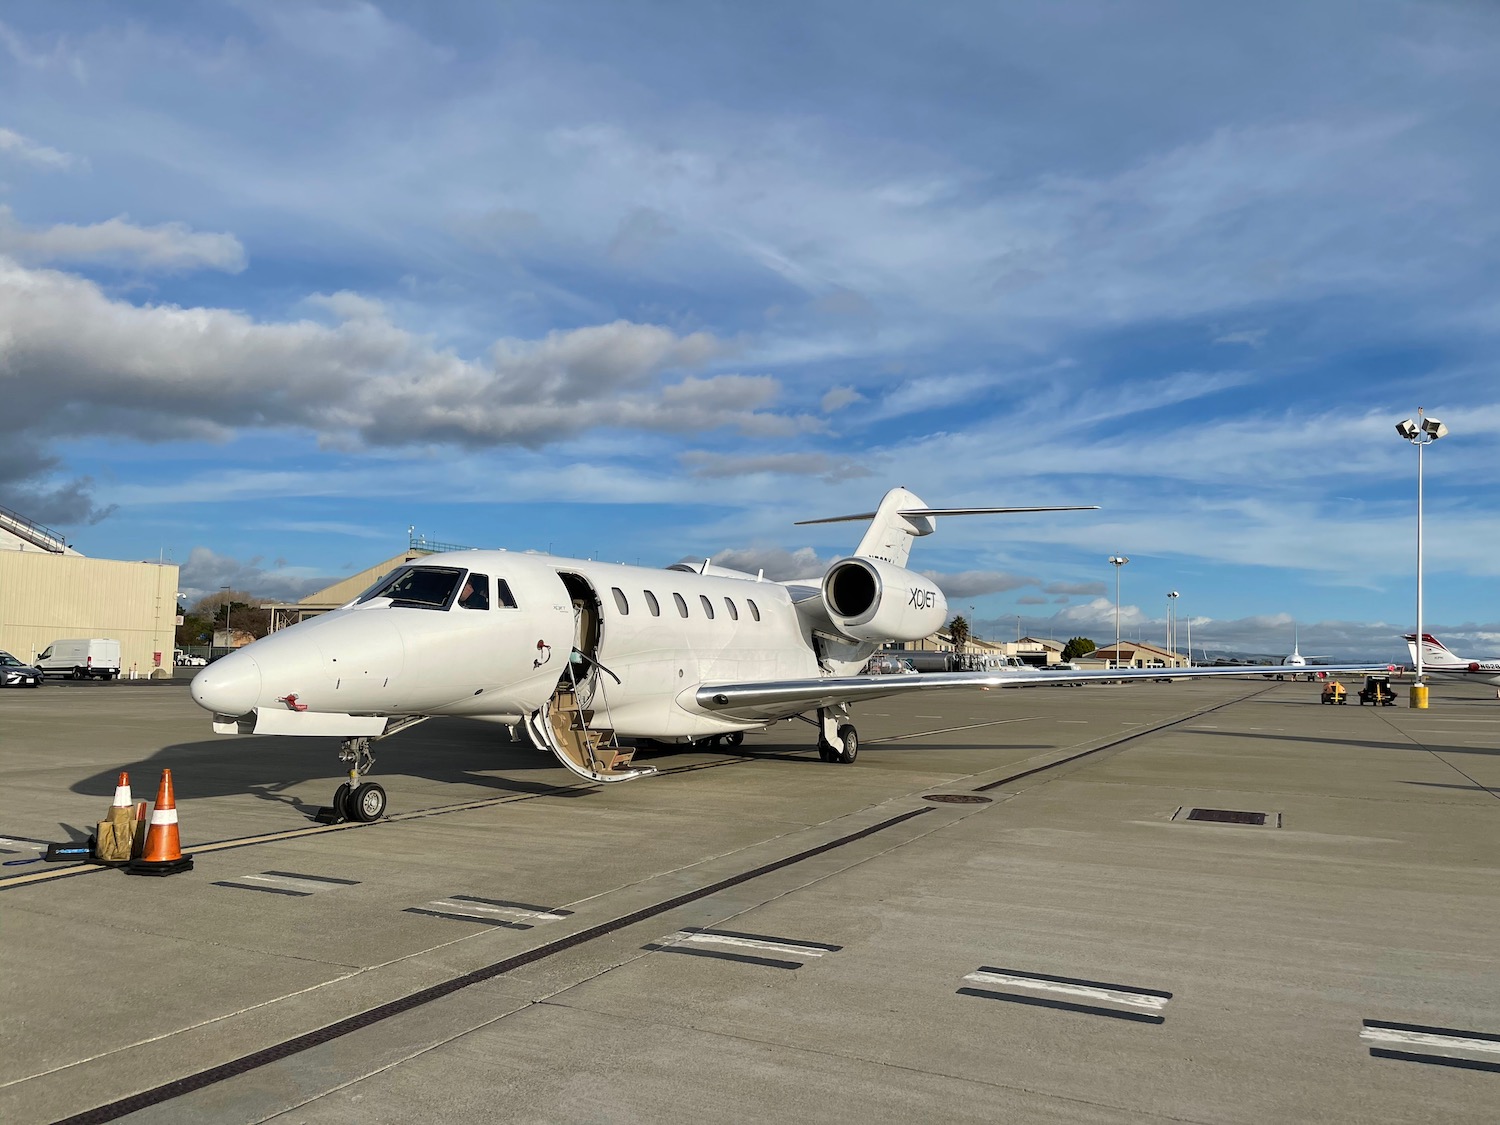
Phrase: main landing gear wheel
{"type": "Point", "coordinates": [734, 738]}
{"type": "Point", "coordinates": [848, 748]}
{"type": "Point", "coordinates": [845, 750]}
{"type": "Point", "coordinates": [365, 803]}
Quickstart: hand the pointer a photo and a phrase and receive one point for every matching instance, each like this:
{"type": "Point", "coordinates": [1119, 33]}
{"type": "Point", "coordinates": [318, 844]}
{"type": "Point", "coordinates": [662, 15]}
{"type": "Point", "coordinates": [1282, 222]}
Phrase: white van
{"type": "Point", "coordinates": [81, 659]}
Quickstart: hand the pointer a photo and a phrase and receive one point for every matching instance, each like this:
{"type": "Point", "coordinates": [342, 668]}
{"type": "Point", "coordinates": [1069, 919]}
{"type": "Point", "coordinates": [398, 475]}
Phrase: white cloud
{"type": "Point", "coordinates": [779, 564]}
{"type": "Point", "coordinates": [78, 362]}
{"type": "Point", "coordinates": [13, 144]}
{"type": "Point", "coordinates": [976, 583]}
{"type": "Point", "coordinates": [205, 571]}
{"type": "Point", "coordinates": [836, 398]}
{"type": "Point", "coordinates": [712, 466]}
{"type": "Point", "coordinates": [1253, 337]}
{"type": "Point", "coordinates": [118, 242]}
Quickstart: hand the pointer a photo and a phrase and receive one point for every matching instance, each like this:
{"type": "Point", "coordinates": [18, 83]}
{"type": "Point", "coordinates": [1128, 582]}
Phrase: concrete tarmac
{"type": "Point", "coordinates": [758, 936]}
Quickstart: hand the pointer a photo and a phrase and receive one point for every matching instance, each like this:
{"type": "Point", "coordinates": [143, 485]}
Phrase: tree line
{"type": "Point", "coordinates": [207, 616]}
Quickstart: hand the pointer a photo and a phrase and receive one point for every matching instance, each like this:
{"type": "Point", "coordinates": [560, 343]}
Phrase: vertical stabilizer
{"type": "Point", "coordinates": [1434, 652]}
{"type": "Point", "coordinates": [890, 533]}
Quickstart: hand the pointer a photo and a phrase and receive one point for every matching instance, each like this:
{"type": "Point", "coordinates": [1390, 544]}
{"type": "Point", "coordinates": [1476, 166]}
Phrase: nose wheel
{"type": "Point", "coordinates": [356, 800]}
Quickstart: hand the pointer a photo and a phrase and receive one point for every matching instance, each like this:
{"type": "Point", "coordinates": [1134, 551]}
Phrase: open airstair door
{"type": "Point", "coordinates": [574, 724]}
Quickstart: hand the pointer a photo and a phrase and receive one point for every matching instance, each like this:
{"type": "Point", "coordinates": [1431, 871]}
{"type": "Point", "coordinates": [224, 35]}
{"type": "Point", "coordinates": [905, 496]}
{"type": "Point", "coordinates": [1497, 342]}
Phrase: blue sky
{"type": "Point", "coordinates": [278, 281]}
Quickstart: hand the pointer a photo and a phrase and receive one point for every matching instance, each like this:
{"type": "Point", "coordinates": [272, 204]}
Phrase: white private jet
{"type": "Point", "coordinates": [1296, 659]}
{"type": "Point", "coordinates": [580, 654]}
{"type": "Point", "coordinates": [1440, 662]}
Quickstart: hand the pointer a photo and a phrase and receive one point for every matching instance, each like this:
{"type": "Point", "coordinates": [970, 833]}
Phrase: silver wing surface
{"type": "Point", "coordinates": [781, 699]}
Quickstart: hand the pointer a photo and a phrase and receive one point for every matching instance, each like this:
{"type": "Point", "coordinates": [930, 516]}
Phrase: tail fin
{"type": "Point", "coordinates": [902, 517]}
{"type": "Point", "coordinates": [1434, 652]}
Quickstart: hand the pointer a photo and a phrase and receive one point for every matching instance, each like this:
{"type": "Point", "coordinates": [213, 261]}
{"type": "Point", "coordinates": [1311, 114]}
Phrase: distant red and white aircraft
{"type": "Point", "coordinates": [579, 654]}
{"type": "Point", "coordinates": [1440, 662]}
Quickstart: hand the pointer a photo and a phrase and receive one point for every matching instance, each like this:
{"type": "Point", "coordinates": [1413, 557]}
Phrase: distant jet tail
{"type": "Point", "coordinates": [1434, 653]}
{"type": "Point", "coordinates": [902, 517]}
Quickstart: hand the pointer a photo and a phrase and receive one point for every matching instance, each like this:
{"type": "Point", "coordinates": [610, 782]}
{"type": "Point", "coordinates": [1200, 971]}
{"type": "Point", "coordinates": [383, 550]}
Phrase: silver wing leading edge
{"type": "Point", "coordinates": [781, 699]}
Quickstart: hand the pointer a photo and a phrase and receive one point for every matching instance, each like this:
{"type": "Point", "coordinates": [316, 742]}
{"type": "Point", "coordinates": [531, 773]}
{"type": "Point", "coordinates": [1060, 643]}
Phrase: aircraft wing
{"type": "Point", "coordinates": [779, 699]}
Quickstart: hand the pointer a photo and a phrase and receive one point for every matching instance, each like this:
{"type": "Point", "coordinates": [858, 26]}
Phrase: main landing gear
{"type": "Point", "coordinates": [363, 801]}
{"type": "Point", "coordinates": [838, 741]}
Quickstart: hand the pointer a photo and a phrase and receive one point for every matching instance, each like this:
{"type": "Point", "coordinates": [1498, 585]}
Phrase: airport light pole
{"type": "Point", "coordinates": [1421, 433]}
{"type": "Point", "coordinates": [1172, 621]}
{"type": "Point", "coordinates": [228, 638]}
{"type": "Point", "coordinates": [1117, 561]}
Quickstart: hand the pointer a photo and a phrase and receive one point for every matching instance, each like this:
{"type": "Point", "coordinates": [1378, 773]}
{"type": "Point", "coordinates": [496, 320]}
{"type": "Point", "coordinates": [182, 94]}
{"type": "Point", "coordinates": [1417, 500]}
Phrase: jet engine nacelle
{"type": "Point", "coordinates": [870, 600]}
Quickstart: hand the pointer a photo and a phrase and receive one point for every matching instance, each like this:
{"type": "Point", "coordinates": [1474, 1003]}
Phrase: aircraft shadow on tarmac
{"type": "Point", "coordinates": [1424, 747]}
{"type": "Point", "coordinates": [906, 746]}
{"type": "Point", "coordinates": [1449, 785]}
{"type": "Point", "coordinates": [453, 751]}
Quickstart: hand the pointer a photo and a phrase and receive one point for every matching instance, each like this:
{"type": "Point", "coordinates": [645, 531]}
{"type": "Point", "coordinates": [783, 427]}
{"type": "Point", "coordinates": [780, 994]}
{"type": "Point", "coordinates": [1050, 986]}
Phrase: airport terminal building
{"type": "Point", "coordinates": [51, 592]}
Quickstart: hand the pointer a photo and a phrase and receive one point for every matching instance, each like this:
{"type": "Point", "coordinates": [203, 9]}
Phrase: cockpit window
{"type": "Point", "coordinates": [476, 592]}
{"type": "Point", "coordinates": [418, 587]}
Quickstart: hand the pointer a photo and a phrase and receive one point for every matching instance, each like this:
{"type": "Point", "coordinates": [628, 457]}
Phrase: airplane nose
{"type": "Point", "coordinates": [229, 686]}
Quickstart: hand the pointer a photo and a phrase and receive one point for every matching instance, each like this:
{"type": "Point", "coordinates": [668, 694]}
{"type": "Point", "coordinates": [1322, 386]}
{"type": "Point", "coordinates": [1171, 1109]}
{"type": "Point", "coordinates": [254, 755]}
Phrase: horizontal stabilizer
{"type": "Point", "coordinates": [951, 512]}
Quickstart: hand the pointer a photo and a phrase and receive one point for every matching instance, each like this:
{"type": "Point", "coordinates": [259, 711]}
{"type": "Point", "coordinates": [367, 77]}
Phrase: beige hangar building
{"type": "Point", "coordinates": [50, 592]}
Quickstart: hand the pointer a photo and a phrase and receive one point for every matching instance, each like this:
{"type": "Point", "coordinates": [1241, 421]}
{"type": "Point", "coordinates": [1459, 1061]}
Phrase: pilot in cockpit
{"type": "Point", "coordinates": [476, 592]}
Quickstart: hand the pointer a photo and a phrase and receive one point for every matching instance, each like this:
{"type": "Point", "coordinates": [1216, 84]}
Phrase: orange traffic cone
{"type": "Point", "coordinates": [163, 854]}
{"type": "Point", "coordinates": [122, 793]}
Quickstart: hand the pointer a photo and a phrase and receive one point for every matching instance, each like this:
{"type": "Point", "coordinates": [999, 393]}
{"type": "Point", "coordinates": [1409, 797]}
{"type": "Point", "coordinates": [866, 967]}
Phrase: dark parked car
{"type": "Point", "coordinates": [15, 674]}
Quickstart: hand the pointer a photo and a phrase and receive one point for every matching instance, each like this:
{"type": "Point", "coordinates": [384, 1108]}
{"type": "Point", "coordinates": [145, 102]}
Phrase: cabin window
{"type": "Point", "coordinates": [681, 605]}
{"type": "Point", "coordinates": [754, 609]}
{"type": "Point", "coordinates": [734, 614]}
{"type": "Point", "coordinates": [708, 606]}
{"type": "Point", "coordinates": [652, 604]}
{"type": "Point", "coordinates": [620, 603]}
{"type": "Point", "coordinates": [504, 599]}
{"type": "Point", "coordinates": [476, 592]}
{"type": "Point", "coordinates": [418, 587]}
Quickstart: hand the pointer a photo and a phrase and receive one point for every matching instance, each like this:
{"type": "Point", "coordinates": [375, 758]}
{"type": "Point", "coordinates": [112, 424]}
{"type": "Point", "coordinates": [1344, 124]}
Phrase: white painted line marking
{"type": "Point", "coordinates": [24, 845]}
{"type": "Point", "coordinates": [485, 908]}
{"type": "Point", "coordinates": [1083, 721]}
{"type": "Point", "coordinates": [309, 885]}
{"type": "Point", "coordinates": [1110, 995]}
{"type": "Point", "coordinates": [1427, 1039]}
{"type": "Point", "coordinates": [746, 943]}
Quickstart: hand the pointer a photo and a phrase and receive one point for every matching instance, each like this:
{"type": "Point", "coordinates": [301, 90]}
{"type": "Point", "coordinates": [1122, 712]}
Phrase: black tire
{"type": "Point", "coordinates": [848, 747]}
{"type": "Point", "coordinates": [734, 738]}
{"type": "Point", "coordinates": [825, 751]}
{"type": "Point", "coordinates": [366, 803]}
{"type": "Point", "coordinates": [77, 673]}
{"type": "Point", "coordinates": [341, 800]}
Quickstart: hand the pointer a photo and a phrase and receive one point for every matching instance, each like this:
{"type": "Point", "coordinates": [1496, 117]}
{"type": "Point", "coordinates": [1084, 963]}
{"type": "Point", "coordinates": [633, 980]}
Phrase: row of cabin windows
{"type": "Point", "coordinates": [623, 605]}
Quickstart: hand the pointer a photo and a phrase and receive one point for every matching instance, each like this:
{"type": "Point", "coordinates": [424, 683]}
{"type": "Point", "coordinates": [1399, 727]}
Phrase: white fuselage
{"type": "Point", "coordinates": [1438, 661]}
{"type": "Point", "coordinates": [663, 633]}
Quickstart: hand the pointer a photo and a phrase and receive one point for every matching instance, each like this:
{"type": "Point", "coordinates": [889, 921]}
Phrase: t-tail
{"type": "Point", "coordinates": [1434, 653]}
{"type": "Point", "coordinates": [870, 596]}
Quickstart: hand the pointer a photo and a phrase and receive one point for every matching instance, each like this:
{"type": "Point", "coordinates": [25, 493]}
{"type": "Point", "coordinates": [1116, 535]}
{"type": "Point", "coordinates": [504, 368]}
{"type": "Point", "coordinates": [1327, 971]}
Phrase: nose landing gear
{"type": "Point", "coordinates": [357, 800]}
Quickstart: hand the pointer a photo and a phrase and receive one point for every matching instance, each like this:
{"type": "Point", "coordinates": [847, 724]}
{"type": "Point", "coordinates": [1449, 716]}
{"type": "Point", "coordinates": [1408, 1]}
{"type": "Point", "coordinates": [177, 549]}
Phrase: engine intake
{"type": "Point", "coordinates": [870, 600]}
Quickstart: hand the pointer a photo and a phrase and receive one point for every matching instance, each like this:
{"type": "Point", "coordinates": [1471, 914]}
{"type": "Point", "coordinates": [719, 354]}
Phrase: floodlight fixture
{"type": "Point", "coordinates": [1407, 428]}
{"type": "Point", "coordinates": [1433, 428]}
